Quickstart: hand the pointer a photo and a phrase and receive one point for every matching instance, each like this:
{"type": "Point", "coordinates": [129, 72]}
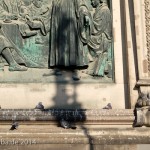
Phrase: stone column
{"type": "Point", "coordinates": [131, 52]}
{"type": "Point", "coordinates": [142, 24]}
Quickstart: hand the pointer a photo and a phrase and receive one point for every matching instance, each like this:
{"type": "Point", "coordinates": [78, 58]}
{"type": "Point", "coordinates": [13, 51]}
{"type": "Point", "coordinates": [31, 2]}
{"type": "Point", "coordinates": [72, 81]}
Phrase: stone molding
{"type": "Point", "coordinates": [101, 117]}
{"type": "Point", "coordinates": [143, 116]}
{"type": "Point", "coordinates": [95, 127]}
{"type": "Point", "coordinates": [147, 22]}
{"type": "Point", "coordinates": [41, 135]}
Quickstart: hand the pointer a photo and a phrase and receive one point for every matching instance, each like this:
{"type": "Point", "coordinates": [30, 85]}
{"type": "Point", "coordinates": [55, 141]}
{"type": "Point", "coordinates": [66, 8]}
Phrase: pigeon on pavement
{"type": "Point", "coordinates": [14, 126]}
{"type": "Point", "coordinates": [66, 124]}
{"type": "Point", "coordinates": [108, 106]}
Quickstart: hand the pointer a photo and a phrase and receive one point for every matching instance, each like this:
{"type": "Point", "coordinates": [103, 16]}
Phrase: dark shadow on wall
{"type": "Point", "coordinates": [125, 54]}
{"type": "Point", "coordinates": [132, 24]}
{"type": "Point", "coordinates": [133, 32]}
{"type": "Point", "coordinates": [65, 101]}
{"type": "Point", "coordinates": [125, 44]}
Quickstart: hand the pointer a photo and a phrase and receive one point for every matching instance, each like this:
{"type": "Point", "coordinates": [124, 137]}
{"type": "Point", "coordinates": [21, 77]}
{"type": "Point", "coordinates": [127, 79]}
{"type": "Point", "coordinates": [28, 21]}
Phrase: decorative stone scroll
{"type": "Point", "coordinates": [147, 22]}
{"type": "Point", "coordinates": [72, 35]}
{"type": "Point", "coordinates": [142, 110]}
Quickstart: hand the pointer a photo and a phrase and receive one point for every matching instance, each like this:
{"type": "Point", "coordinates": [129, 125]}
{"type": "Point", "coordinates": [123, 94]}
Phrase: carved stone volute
{"type": "Point", "coordinates": [142, 111]}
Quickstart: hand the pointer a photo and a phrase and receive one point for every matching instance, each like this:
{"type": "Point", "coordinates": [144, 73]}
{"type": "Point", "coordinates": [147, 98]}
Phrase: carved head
{"type": "Point", "coordinates": [95, 3]}
{"type": "Point", "coordinates": [37, 3]}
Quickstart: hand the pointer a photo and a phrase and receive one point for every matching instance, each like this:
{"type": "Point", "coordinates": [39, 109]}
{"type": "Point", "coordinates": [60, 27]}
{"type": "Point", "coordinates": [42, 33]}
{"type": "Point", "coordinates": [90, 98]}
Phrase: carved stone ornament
{"type": "Point", "coordinates": [72, 35]}
{"type": "Point", "coordinates": [142, 117]}
{"type": "Point", "coordinates": [147, 22]}
{"type": "Point", "coordinates": [142, 111]}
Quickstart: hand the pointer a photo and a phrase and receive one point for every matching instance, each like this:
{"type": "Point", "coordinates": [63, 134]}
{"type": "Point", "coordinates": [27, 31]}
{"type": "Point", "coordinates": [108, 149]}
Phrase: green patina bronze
{"type": "Point", "coordinates": [73, 35]}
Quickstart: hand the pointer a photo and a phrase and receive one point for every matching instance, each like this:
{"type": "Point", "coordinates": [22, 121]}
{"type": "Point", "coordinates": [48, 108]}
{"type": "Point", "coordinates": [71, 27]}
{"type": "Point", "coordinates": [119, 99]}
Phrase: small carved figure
{"type": "Point", "coordinates": [6, 51]}
{"type": "Point", "coordinates": [100, 40]}
{"type": "Point", "coordinates": [10, 10]}
{"type": "Point", "coordinates": [142, 110]}
{"type": "Point", "coordinates": [143, 100]}
{"type": "Point", "coordinates": [37, 16]}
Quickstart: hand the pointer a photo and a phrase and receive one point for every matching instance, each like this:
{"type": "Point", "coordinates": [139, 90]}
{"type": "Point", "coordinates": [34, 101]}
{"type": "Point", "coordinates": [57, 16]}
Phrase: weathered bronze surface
{"type": "Point", "coordinates": [60, 35]}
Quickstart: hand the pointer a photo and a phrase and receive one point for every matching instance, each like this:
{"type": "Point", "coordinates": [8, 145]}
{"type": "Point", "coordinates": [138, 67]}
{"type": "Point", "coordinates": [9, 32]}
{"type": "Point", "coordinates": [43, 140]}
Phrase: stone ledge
{"type": "Point", "coordinates": [101, 116]}
{"type": "Point", "coordinates": [143, 82]}
{"type": "Point", "coordinates": [82, 135]}
{"type": "Point", "coordinates": [94, 128]}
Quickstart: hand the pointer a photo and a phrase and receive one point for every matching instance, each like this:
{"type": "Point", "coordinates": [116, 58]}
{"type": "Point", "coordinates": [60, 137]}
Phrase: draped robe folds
{"type": "Point", "coordinates": [101, 40]}
{"type": "Point", "coordinates": [102, 29]}
{"type": "Point", "coordinates": [66, 46]}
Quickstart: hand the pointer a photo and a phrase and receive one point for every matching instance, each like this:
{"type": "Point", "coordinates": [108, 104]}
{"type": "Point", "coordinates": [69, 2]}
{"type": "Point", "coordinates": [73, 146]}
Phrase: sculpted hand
{"type": "Point", "coordinates": [27, 17]}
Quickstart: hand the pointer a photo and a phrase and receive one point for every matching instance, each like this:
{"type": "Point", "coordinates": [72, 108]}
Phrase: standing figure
{"type": "Point", "coordinates": [69, 33]}
{"type": "Point", "coordinates": [101, 40]}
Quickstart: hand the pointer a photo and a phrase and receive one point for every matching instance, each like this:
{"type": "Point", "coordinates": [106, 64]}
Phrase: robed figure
{"type": "Point", "coordinates": [70, 31]}
{"type": "Point", "coordinates": [100, 43]}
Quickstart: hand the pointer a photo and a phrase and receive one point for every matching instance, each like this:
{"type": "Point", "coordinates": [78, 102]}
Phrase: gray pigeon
{"type": "Point", "coordinates": [39, 106]}
{"type": "Point", "coordinates": [66, 124]}
{"type": "Point", "coordinates": [108, 106]}
{"type": "Point", "coordinates": [14, 126]}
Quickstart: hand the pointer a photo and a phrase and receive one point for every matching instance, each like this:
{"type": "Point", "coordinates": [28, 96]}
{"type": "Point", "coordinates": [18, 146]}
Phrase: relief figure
{"type": "Point", "coordinates": [101, 40]}
{"type": "Point", "coordinates": [60, 35]}
{"type": "Point", "coordinates": [70, 31]}
{"type": "Point", "coordinates": [25, 21]}
{"type": "Point", "coordinates": [37, 15]}
{"type": "Point", "coordinates": [6, 49]}
{"type": "Point", "coordinates": [9, 9]}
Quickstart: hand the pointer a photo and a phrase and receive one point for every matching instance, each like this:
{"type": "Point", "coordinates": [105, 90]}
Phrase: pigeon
{"type": "Point", "coordinates": [14, 126]}
{"type": "Point", "coordinates": [66, 124]}
{"type": "Point", "coordinates": [108, 106]}
{"type": "Point", "coordinates": [39, 106]}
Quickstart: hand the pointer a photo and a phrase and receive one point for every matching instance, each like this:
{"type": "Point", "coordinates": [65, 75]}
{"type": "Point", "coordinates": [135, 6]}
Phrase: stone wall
{"type": "Point", "coordinates": [82, 102]}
